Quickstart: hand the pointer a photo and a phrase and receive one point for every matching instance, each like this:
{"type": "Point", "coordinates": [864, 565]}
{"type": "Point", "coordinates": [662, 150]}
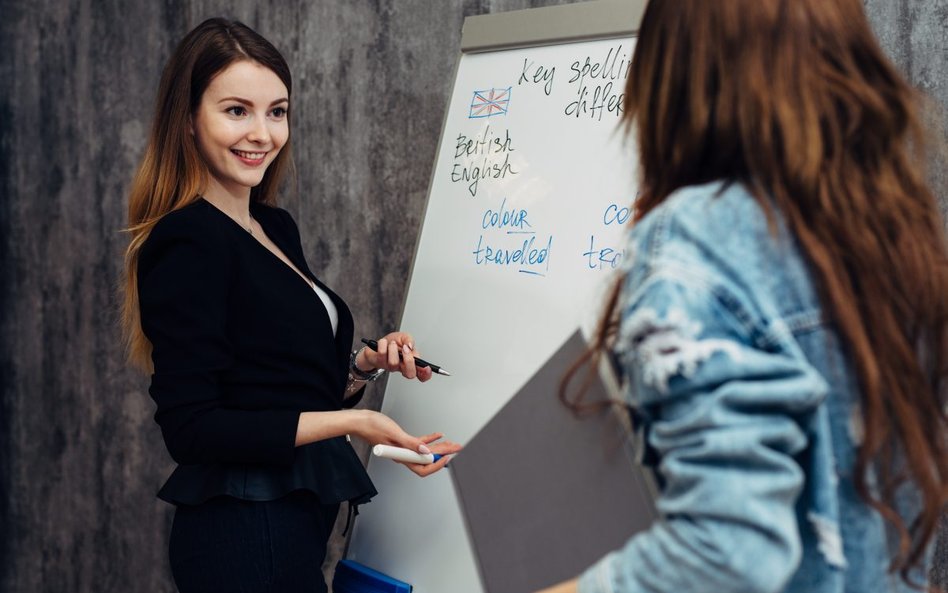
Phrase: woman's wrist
{"type": "Point", "coordinates": [356, 422]}
{"type": "Point", "coordinates": [357, 373]}
{"type": "Point", "coordinates": [362, 363]}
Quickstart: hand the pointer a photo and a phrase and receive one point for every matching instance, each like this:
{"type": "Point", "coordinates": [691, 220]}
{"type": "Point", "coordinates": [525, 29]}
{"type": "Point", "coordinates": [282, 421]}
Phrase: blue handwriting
{"type": "Point", "coordinates": [526, 255]}
{"type": "Point", "coordinates": [504, 218]}
{"type": "Point", "coordinates": [603, 257]}
{"type": "Point", "coordinates": [616, 213]}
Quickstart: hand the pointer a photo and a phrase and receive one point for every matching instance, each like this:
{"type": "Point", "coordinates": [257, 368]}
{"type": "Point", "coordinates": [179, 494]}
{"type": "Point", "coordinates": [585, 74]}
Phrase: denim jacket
{"type": "Point", "coordinates": [750, 408]}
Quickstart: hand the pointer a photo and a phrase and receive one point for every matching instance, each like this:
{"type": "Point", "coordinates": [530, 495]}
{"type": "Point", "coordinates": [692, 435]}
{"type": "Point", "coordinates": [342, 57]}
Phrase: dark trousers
{"type": "Point", "coordinates": [226, 545]}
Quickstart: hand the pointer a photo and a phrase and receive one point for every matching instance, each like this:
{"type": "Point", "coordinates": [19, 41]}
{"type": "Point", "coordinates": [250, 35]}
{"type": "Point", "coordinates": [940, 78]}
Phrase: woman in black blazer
{"type": "Point", "coordinates": [253, 376]}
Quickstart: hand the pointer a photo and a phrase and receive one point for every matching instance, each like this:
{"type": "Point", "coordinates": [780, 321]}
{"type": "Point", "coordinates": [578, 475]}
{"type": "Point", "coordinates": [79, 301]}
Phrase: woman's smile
{"type": "Point", "coordinates": [252, 159]}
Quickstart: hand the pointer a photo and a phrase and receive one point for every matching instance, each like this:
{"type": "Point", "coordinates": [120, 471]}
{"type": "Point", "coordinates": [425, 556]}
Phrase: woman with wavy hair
{"type": "Point", "coordinates": [250, 355]}
{"type": "Point", "coordinates": [782, 325]}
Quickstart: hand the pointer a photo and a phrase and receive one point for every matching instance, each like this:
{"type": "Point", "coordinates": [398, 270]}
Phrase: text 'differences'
{"type": "Point", "coordinates": [595, 83]}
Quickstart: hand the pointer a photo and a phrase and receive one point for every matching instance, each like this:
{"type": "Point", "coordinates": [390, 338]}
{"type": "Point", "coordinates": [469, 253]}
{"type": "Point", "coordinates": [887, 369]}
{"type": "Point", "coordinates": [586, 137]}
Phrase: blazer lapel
{"type": "Point", "coordinates": [294, 251]}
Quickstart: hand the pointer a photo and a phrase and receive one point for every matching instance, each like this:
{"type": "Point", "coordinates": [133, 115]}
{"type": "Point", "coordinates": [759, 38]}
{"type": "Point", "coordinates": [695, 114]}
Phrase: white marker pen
{"type": "Point", "coordinates": [406, 455]}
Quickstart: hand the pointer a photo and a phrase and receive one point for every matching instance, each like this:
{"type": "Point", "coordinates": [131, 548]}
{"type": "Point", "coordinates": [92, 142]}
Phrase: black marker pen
{"type": "Point", "coordinates": [419, 362]}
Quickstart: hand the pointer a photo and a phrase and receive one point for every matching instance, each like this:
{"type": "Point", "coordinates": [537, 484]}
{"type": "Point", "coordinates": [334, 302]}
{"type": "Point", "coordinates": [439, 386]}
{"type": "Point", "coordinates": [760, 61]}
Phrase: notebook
{"type": "Point", "coordinates": [352, 577]}
{"type": "Point", "coordinates": [545, 494]}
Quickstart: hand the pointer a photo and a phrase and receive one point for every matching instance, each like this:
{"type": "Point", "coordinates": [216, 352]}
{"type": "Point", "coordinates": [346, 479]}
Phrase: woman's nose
{"type": "Point", "coordinates": [260, 132]}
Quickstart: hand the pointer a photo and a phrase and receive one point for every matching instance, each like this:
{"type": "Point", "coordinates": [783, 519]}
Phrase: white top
{"type": "Point", "coordinates": [330, 307]}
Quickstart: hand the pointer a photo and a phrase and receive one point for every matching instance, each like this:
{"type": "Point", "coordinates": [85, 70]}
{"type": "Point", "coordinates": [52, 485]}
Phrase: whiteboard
{"type": "Point", "coordinates": [522, 235]}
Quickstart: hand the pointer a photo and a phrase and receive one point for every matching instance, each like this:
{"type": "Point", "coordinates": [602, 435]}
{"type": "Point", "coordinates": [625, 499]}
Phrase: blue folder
{"type": "Point", "coordinates": [352, 577]}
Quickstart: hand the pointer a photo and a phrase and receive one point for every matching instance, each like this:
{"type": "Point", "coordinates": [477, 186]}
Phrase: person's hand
{"type": "Point", "coordinates": [435, 445]}
{"type": "Point", "coordinates": [379, 429]}
{"type": "Point", "coordinates": [387, 357]}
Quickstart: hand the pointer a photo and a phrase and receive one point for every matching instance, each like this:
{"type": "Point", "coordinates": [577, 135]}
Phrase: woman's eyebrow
{"type": "Point", "coordinates": [249, 103]}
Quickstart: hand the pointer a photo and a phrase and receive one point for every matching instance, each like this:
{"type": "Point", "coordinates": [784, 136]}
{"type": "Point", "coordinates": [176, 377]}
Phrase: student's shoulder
{"type": "Point", "coordinates": [711, 220]}
{"type": "Point", "coordinates": [710, 235]}
{"type": "Point", "coordinates": [718, 209]}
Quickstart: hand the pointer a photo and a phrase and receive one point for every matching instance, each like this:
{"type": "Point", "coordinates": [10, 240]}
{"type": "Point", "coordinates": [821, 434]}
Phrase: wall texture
{"type": "Point", "coordinates": [80, 457]}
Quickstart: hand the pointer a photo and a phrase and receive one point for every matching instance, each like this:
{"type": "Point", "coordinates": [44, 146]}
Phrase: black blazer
{"type": "Point", "coordinates": [241, 346]}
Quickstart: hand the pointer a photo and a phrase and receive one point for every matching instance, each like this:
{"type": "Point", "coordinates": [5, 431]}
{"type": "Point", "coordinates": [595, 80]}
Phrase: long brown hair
{"type": "Point", "coordinates": [172, 172]}
{"type": "Point", "coordinates": [795, 99]}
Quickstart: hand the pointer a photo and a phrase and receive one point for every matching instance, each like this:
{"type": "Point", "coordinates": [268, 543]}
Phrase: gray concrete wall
{"type": "Point", "coordinates": [915, 35]}
{"type": "Point", "coordinates": [80, 458]}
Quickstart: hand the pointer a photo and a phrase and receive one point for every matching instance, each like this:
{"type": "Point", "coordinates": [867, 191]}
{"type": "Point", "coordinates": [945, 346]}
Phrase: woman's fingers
{"type": "Point", "coordinates": [379, 356]}
{"type": "Point", "coordinates": [386, 357]}
{"type": "Point", "coordinates": [409, 371]}
{"type": "Point", "coordinates": [436, 445]}
{"type": "Point", "coordinates": [429, 443]}
{"type": "Point", "coordinates": [430, 438]}
{"type": "Point", "coordinates": [424, 373]}
{"type": "Point", "coordinates": [392, 356]}
{"type": "Point", "coordinates": [402, 339]}
{"type": "Point", "coordinates": [445, 448]}
{"type": "Point", "coordinates": [396, 352]}
{"type": "Point", "coordinates": [425, 470]}
{"type": "Point", "coordinates": [388, 354]}
{"type": "Point", "coordinates": [406, 441]}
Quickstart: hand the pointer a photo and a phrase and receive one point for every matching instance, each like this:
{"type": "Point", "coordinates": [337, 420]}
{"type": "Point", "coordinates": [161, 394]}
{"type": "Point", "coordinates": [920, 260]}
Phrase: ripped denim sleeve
{"type": "Point", "coordinates": [723, 420]}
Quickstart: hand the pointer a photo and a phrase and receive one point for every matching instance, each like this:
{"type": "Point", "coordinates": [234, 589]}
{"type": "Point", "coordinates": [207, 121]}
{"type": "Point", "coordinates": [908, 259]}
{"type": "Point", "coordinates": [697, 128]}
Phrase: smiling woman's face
{"type": "Point", "coordinates": [241, 125]}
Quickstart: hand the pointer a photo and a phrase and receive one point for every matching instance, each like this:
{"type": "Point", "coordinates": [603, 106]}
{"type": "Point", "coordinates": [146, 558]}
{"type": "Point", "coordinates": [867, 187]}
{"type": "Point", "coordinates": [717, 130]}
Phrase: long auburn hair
{"type": "Point", "coordinates": [796, 100]}
{"type": "Point", "coordinates": [172, 173]}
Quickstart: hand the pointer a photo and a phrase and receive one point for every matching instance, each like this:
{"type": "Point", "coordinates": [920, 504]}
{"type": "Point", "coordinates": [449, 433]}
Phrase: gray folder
{"type": "Point", "coordinates": [545, 494]}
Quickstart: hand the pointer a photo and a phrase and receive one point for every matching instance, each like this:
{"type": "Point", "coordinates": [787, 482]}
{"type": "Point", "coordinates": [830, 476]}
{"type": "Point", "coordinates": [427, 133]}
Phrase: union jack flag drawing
{"type": "Point", "coordinates": [490, 102]}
